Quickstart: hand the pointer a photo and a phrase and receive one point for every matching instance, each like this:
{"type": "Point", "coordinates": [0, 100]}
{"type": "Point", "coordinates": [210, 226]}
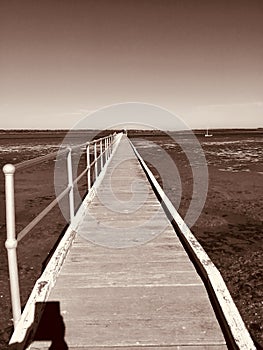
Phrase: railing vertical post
{"type": "Point", "coordinates": [11, 242]}
{"type": "Point", "coordinates": [101, 156]}
{"type": "Point", "coordinates": [110, 144]}
{"type": "Point", "coordinates": [95, 160]}
{"type": "Point", "coordinates": [105, 149]}
{"type": "Point", "coordinates": [107, 152]}
{"type": "Point", "coordinates": [71, 185]}
{"type": "Point", "coordinates": [109, 147]}
{"type": "Point", "coordinates": [88, 166]}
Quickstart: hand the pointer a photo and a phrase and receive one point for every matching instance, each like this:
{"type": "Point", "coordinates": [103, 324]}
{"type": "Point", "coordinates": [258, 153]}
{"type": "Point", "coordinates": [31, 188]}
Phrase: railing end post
{"type": "Point", "coordinates": [11, 241]}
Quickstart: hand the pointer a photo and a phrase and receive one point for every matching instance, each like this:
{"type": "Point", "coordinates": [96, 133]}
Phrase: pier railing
{"type": "Point", "coordinates": [97, 152]}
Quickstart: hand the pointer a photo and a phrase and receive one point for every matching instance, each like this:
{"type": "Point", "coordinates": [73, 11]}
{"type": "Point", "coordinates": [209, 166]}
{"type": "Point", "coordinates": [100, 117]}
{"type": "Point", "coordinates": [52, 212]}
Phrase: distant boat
{"type": "Point", "coordinates": [207, 133]}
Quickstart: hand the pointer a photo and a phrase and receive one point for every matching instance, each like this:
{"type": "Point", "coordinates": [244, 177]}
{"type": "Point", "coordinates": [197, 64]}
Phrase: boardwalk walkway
{"type": "Point", "coordinates": [127, 282]}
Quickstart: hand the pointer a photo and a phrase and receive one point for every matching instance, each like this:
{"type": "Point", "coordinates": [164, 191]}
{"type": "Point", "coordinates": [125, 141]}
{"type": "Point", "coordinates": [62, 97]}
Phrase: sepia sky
{"type": "Point", "coordinates": [202, 60]}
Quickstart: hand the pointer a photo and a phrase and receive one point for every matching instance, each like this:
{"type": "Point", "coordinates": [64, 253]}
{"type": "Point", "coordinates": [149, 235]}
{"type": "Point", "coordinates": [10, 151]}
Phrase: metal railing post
{"type": "Point", "coordinates": [11, 242]}
{"type": "Point", "coordinates": [110, 144]}
{"type": "Point", "coordinates": [107, 152]}
{"type": "Point", "coordinates": [101, 156]}
{"type": "Point", "coordinates": [88, 166]}
{"type": "Point", "coordinates": [71, 185]}
{"type": "Point", "coordinates": [108, 147]}
{"type": "Point", "coordinates": [95, 160]}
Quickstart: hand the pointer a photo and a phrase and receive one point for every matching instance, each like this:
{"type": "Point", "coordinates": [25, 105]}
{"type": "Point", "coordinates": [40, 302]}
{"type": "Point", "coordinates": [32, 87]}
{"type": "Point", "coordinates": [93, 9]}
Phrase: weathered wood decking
{"type": "Point", "coordinates": [135, 287]}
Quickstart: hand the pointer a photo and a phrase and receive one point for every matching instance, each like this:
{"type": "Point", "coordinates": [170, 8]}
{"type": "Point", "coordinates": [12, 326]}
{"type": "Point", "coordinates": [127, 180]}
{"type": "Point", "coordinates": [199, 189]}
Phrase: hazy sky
{"type": "Point", "coordinates": [202, 60]}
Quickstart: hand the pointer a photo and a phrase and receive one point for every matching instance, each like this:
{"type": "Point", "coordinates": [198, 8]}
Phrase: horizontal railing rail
{"type": "Point", "coordinates": [42, 214]}
{"type": "Point", "coordinates": [46, 157]}
{"type": "Point", "coordinates": [102, 150]}
{"type": "Point", "coordinates": [35, 161]}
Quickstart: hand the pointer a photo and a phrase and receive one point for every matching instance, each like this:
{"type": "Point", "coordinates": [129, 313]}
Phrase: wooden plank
{"type": "Point", "coordinates": [123, 279]}
{"type": "Point", "coordinates": [167, 237]}
{"type": "Point", "coordinates": [175, 347]}
{"type": "Point", "coordinates": [104, 267]}
{"type": "Point", "coordinates": [136, 302]}
{"type": "Point", "coordinates": [46, 346]}
{"type": "Point", "coordinates": [82, 257]}
{"type": "Point", "coordinates": [148, 331]}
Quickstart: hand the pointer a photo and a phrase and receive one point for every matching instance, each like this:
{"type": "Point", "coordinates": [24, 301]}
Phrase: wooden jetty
{"type": "Point", "coordinates": [122, 279]}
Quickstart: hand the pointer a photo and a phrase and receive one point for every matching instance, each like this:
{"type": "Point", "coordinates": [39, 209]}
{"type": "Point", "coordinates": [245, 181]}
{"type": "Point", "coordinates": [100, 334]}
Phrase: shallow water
{"type": "Point", "coordinates": [235, 155]}
{"type": "Point", "coordinates": [244, 155]}
{"type": "Point", "coordinates": [16, 152]}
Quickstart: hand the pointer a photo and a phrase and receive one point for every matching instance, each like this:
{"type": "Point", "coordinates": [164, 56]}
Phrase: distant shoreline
{"type": "Point", "coordinates": [49, 133]}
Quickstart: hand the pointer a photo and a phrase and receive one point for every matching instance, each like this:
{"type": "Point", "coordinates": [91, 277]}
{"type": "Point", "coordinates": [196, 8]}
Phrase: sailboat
{"type": "Point", "coordinates": [207, 133]}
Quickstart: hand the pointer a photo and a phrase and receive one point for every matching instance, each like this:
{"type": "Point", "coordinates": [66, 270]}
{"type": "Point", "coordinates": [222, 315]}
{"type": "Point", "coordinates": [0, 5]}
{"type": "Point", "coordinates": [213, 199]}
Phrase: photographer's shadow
{"type": "Point", "coordinates": [48, 326]}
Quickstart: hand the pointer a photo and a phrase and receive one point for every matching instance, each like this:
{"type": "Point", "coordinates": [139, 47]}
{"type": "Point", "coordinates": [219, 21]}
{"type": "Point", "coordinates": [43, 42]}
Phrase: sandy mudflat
{"type": "Point", "coordinates": [229, 228]}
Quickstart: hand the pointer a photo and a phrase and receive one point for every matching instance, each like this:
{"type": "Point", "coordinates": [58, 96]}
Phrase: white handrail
{"type": "Point", "coordinates": [12, 239]}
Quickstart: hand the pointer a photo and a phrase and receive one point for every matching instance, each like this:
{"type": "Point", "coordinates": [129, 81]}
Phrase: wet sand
{"type": "Point", "coordinates": [229, 228]}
